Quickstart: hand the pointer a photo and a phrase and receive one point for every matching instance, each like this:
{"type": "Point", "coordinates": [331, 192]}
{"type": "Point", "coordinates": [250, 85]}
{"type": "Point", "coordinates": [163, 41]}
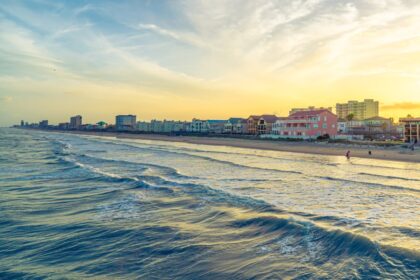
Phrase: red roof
{"type": "Point", "coordinates": [302, 114]}
{"type": "Point", "coordinates": [254, 117]}
{"type": "Point", "coordinates": [269, 118]}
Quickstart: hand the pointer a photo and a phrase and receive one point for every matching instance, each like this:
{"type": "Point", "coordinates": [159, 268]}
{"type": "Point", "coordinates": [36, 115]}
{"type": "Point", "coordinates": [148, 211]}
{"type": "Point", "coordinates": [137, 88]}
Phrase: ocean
{"type": "Point", "coordinates": [89, 207]}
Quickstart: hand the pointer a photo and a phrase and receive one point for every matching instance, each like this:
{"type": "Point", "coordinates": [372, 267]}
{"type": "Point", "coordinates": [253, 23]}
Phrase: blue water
{"type": "Point", "coordinates": [86, 207]}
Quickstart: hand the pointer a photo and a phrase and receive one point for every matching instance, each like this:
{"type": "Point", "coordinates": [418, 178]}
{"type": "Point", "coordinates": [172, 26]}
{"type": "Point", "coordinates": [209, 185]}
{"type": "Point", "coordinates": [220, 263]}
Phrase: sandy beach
{"type": "Point", "coordinates": [321, 148]}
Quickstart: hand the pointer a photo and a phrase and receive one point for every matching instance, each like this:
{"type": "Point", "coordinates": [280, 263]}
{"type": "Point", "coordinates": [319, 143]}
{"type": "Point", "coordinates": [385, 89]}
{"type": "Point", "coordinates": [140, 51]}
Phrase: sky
{"type": "Point", "coordinates": [206, 59]}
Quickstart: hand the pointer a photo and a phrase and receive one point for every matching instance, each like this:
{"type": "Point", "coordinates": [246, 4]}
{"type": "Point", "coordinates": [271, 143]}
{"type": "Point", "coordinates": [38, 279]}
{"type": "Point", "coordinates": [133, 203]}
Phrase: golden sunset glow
{"type": "Point", "coordinates": [205, 59]}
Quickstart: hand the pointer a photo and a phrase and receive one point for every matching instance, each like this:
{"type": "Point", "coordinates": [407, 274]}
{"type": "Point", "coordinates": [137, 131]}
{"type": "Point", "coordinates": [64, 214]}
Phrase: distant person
{"type": "Point", "coordinates": [348, 155]}
{"type": "Point", "coordinates": [370, 152]}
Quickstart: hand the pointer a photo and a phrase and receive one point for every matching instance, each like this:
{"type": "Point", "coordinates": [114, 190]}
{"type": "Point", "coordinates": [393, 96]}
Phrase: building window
{"type": "Point", "coordinates": [315, 125]}
{"type": "Point", "coordinates": [324, 125]}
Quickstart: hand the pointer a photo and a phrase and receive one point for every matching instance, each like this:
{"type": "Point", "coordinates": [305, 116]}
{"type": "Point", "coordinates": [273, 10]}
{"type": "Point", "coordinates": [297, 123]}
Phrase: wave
{"type": "Point", "coordinates": [387, 167]}
{"type": "Point", "coordinates": [246, 154]}
{"type": "Point", "coordinates": [99, 171]}
{"type": "Point", "coordinates": [388, 176]}
{"type": "Point", "coordinates": [233, 164]}
{"type": "Point", "coordinates": [165, 169]}
{"type": "Point", "coordinates": [313, 243]}
{"type": "Point", "coordinates": [368, 184]}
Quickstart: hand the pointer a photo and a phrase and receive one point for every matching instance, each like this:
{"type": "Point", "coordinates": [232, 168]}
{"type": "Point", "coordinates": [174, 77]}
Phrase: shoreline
{"type": "Point", "coordinates": [329, 149]}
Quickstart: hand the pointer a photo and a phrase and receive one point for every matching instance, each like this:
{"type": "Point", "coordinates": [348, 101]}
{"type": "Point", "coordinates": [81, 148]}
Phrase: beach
{"type": "Point", "coordinates": [87, 207]}
{"type": "Point", "coordinates": [320, 148]}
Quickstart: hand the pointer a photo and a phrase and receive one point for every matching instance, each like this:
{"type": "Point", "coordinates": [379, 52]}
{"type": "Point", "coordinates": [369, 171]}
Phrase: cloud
{"type": "Point", "coordinates": [310, 50]}
{"type": "Point", "coordinates": [179, 36]}
{"type": "Point", "coordinates": [84, 9]}
{"type": "Point", "coordinates": [402, 106]}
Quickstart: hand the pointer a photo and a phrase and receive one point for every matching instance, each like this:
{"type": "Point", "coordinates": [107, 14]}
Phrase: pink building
{"type": "Point", "coordinates": [307, 124]}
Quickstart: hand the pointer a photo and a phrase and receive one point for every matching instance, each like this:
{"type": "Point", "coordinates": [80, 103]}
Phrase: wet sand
{"type": "Point", "coordinates": [321, 148]}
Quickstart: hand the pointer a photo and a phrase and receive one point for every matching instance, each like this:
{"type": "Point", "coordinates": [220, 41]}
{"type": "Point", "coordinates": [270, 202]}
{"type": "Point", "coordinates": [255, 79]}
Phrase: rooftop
{"type": "Point", "coordinates": [302, 114]}
{"type": "Point", "coordinates": [269, 118]}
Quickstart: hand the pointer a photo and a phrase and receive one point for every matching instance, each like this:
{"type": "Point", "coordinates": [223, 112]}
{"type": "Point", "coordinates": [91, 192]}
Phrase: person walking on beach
{"type": "Point", "coordinates": [348, 155]}
{"type": "Point", "coordinates": [370, 152]}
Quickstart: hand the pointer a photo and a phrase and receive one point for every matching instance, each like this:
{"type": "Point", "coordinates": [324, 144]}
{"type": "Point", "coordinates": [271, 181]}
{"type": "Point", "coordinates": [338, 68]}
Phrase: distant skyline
{"type": "Point", "coordinates": [205, 59]}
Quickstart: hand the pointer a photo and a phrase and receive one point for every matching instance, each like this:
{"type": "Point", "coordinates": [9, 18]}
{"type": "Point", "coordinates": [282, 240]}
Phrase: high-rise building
{"type": "Point", "coordinates": [76, 122]}
{"type": "Point", "coordinates": [125, 122]}
{"type": "Point", "coordinates": [22, 123]}
{"type": "Point", "coordinates": [360, 110]}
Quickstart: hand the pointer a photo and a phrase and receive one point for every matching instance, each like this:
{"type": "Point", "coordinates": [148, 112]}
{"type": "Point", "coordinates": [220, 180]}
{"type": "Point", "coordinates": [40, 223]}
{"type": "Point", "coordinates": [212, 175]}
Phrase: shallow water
{"type": "Point", "coordinates": [80, 207]}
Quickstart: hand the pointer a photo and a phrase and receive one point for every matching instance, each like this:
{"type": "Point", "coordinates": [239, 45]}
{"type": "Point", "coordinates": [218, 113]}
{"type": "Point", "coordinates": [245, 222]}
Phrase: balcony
{"type": "Point", "coordinates": [299, 121]}
{"type": "Point", "coordinates": [292, 129]}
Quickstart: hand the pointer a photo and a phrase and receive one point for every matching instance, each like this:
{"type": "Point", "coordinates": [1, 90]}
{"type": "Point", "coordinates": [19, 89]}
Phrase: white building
{"type": "Point", "coordinates": [156, 126]}
{"type": "Point", "coordinates": [216, 126]}
{"type": "Point", "coordinates": [143, 126]}
{"type": "Point", "coordinates": [199, 126]}
{"type": "Point", "coordinates": [235, 126]}
{"type": "Point", "coordinates": [165, 126]}
{"type": "Point", "coordinates": [174, 126]}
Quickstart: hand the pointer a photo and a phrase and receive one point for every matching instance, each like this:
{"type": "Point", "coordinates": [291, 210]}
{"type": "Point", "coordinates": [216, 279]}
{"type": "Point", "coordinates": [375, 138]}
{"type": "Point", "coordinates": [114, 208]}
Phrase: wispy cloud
{"type": "Point", "coordinates": [179, 36]}
{"type": "Point", "coordinates": [196, 50]}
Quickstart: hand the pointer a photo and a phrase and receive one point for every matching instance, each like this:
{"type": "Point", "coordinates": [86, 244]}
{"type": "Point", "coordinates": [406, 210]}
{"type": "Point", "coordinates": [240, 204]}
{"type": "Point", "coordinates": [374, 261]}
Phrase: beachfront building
{"type": "Point", "coordinates": [75, 122]}
{"type": "Point", "coordinates": [355, 127]}
{"type": "Point", "coordinates": [235, 126]}
{"type": "Point", "coordinates": [258, 125]}
{"type": "Point", "coordinates": [379, 127]}
{"type": "Point", "coordinates": [125, 122]}
{"type": "Point", "coordinates": [64, 126]}
{"type": "Point", "coordinates": [165, 126]}
{"type": "Point", "coordinates": [199, 126]}
{"type": "Point", "coordinates": [265, 124]}
{"type": "Point", "coordinates": [240, 127]}
{"type": "Point", "coordinates": [156, 126]}
{"type": "Point", "coordinates": [174, 126]}
{"type": "Point", "coordinates": [216, 126]}
{"type": "Point", "coordinates": [306, 124]}
{"type": "Point", "coordinates": [371, 128]}
{"type": "Point", "coordinates": [43, 124]}
{"type": "Point", "coordinates": [342, 127]}
{"type": "Point", "coordinates": [411, 129]}
{"type": "Point", "coordinates": [252, 124]}
{"type": "Point", "coordinates": [143, 126]}
{"type": "Point", "coordinates": [359, 110]}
